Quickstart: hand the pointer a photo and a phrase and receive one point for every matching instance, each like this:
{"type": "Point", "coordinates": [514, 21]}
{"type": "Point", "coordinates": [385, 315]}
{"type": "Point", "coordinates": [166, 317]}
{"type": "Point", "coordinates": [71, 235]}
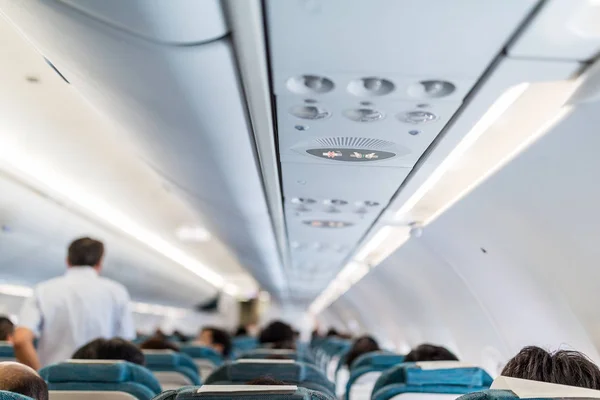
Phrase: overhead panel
{"type": "Point", "coordinates": [362, 89]}
{"type": "Point", "coordinates": [563, 30]}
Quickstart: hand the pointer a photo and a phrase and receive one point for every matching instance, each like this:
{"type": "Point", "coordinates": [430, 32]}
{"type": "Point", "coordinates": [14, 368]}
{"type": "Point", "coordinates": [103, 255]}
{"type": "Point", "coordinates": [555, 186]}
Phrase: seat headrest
{"type": "Point", "coordinates": [5, 395]}
{"type": "Point", "coordinates": [202, 352]}
{"type": "Point", "coordinates": [6, 350]}
{"type": "Point", "coordinates": [221, 392]}
{"type": "Point", "coordinates": [168, 358]}
{"type": "Point", "coordinates": [377, 359]}
{"type": "Point", "coordinates": [244, 371]}
{"type": "Point", "coordinates": [527, 389]}
{"type": "Point", "coordinates": [411, 374]}
{"type": "Point", "coordinates": [100, 371]}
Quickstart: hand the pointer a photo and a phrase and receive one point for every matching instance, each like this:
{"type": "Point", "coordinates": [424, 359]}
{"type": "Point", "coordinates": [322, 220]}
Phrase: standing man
{"type": "Point", "coordinates": [67, 312]}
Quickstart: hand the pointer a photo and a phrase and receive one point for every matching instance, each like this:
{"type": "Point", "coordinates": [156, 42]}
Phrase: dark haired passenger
{"type": "Point", "coordinates": [158, 342]}
{"type": "Point", "coordinates": [277, 334]}
{"type": "Point", "coordinates": [563, 367]}
{"type": "Point", "coordinates": [7, 329]}
{"type": "Point", "coordinates": [216, 338]}
{"type": "Point", "coordinates": [362, 345]}
{"type": "Point", "coordinates": [19, 378]}
{"type": "Point", "coordinates": [430, 352]}
{"type": "Point", "coordinates": [241, 331]}
{"type": "Point", "coordinates": [69, 311]}
{"type": "Point", "coordinates": [110, 349]}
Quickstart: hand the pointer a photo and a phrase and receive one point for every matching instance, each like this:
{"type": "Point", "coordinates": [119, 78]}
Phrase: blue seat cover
{"type": "Point", "coordinates": [175, 362]}
{"type": "Point", "coordinates": [5, 395]}
{"type": "Point", "coordinates": [190, 393]}
{"type": "Point", "coordinates": [118, 376]}
{"type": "Point", "coordinates": [374, 361]}
{"type": "Point", "coordinates": [7, 350]}
{"type": "Point", "coordinates": [204, 353]}
{"type": "Point", "coordinates": [410, 378]}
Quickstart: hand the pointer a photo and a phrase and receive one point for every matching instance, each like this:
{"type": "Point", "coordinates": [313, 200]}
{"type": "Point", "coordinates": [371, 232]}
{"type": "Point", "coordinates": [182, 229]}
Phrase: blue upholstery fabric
{"type": "Point", "coordinates": [298, 373]}
{"type": "Point", "coordinates": [4, 395]}
{"type": "Point", "coordinates": [493, 394]}
{"type": "Point", "coordinates": [119, 376]}
{"type": "Point", "coordinates": [175, 362]}
{"type": "Point", "coordinates": [189, 393]}
{"type": "Point", "coordinates": [244, 343]}
{"type": "Point", "coordinates": [7, 351]}
{"type": "Point", "coordinates": [371, 362]}
{"type": "Point", "coordinates": [204, 353]}
{"type": "Point", "coordinates": [409, 378]}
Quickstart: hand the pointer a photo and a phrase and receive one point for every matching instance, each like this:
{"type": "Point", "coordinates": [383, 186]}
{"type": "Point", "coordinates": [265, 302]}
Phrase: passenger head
{"type": "Point", "coordinates": [362, 345]}
{"type": "Point", "coordinates": [19, 378]}
{"type": "Point", "coordinates": [110, 349]}
{"type": "Point", "coordinates": [332, 332]}
{"type": "Point", "coordinates": [276, 332]}
{"type": "Point", "coordinates": [85, 252]}
{"type": "Point", "coordinates": [285, 345]}
{"type": "Point", "coordinates": [563, 367]}
{"type": "Point", "coordinates": [241, 331]}
{"type": "Point", "coordinates": [430, 352]}
{"type": "Point", "coordinates": [158, 343]}
{"type": "Point", "coordinates": [266, 380]}
{"type": "Point", "coordinates": [7, 329]}
{"type": "Point", "coordinates": [216, 338]}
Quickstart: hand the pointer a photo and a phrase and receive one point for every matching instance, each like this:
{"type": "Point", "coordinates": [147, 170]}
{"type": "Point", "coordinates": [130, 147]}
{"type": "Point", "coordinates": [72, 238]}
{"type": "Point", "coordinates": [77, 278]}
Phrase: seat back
{"type": "Point", "coordinates": [280, 353]}
{"type": "Point", "coordinates": [242, 344]}
{"type": "Point", "coordinates": [365, 371]}
{"type": "Point", "coordinates": [102, 378]}
{"type": "Point", "coordinates": [172, 369]}
{"type": "Point", "coordinates": [288, 371]}
{"type": "Point", "coordinates": [437, 379]}
{"type": "Point", "coordinates": [205, 358]}
{"type": "Point", "coordinates": [7, 352]}
{"type": "Point", "coordinates": [6, 395]}
{"type": "Point", "coordinates": [504, 388]}
{"type": "Point", "coordinates": [243, 392]}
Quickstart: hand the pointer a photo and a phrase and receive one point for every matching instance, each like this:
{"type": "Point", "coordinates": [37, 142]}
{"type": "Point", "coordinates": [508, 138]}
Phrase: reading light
{"type": "Point", "coordinates": [44, 176]}
{"type": "Point", "coordinates": [519, 117]}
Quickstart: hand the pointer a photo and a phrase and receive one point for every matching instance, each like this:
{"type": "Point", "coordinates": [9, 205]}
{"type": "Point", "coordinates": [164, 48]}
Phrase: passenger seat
{"type": "Point", "coordinates": [7, 352]}
{"type": "Point", "coordinates": [504, 388]}
{"type": "Point", "coordinates": [5, 395]}
{"type": "Point", "coordinates": [242, 392]}
{"type": "Point", "coordinates": [205, 358]}
{"type": "Point", "coordinates": [365, 371]}
{"type": "Point", "coordinates": [446, 379]}
{"type": "Point", "coordinates": [99, 380]}
{"type": "Point", "coordinates": [172, 369]}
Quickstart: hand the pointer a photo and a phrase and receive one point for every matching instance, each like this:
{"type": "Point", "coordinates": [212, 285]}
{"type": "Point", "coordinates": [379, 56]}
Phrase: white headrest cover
{"type": "Point", "coordinates": [263, 361]}
{"type": "Point", "coordinates": [426, 365]}
{"type": "Point", "coordinates": [93, 361]}
{"type": "Point", "coordinates": [251, 389]}
{"type": "Point", "coordinates": [527, 389]}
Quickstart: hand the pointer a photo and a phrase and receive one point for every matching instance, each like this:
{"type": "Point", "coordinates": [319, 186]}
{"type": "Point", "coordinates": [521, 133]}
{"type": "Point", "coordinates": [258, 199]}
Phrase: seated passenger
{"type": "Point", "coordinates": [278, 334]}
{"type": "Point", "coordinates": [241, 331]}
{"type": "Point", "coordinates": [7, 329]}
{"type": "Point", "coordinates": [563, 367]}
{"type": "Point", "coordinates": [110, 349]}
{"type": "Point", "coordinates": [430, 352]}
{"type": "Point", "coordinates": [158, 343]}
{"type": "Point", "coordinates": [216, 338]}
{"type": "Point", "coordinates": [362, 345]}
{"type": "Point", "coordinates": [19, 378]}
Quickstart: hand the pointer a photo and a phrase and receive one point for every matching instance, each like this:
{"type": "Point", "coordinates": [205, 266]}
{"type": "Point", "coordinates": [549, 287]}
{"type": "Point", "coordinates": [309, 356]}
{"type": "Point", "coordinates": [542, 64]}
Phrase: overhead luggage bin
{"type": "Point", "coordinates": [182, 22]}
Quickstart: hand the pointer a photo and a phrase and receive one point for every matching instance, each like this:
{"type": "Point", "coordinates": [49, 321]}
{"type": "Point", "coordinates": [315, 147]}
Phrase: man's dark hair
{"type": "Point", "coordinates": [430, 352]}
{"type": "Point", "coordinates": [19, 378]}
{"type": "Point", "coordinates": [266, 380]}
{"type": "Point", "coordinates": [241, 331]}
{"type": "Point", "coordinates": [362, 345]}
{"type": "Point", "coordinates": [110, 349]}
{"type": "Point", "coordinates": [7, 328]}
{"type": "Point", "coordinates": [285, 345]}
{"type": "Point", "coordinates": [158, 343]}
{"type": "Point", "coordinates": [332, 332]}
{"type": "Point", "coordinates": [276, 332]}
{"type": "Point", "coordinates": [219, 336]}
{"type": "Point", "coordinates": [85, 252]}
{"type": "Point", "coordinates": [563, 367]}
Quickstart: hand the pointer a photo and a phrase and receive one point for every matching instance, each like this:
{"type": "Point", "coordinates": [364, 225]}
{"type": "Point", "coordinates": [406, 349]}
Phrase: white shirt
{"type": "Point", "coordinates": [67, 312]}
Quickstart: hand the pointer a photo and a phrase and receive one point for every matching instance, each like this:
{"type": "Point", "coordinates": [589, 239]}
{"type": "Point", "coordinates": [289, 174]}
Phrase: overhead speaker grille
{"type": "Point", "coordinates": [351, 149]}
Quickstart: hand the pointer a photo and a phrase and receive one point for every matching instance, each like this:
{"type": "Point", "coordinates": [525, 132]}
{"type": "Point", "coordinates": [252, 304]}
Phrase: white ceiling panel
{"type": "Point", "coordinates": [433, 38]}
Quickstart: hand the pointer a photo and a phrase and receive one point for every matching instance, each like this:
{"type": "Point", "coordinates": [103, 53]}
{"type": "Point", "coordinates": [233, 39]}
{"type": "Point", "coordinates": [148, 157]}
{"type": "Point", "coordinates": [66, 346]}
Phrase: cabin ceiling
{"type": "Point", "coordinates": [363, 95]}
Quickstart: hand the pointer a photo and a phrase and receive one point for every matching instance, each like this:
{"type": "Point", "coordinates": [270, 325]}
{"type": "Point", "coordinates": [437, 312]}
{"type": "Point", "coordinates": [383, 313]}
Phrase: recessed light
{"type": "Point", "coordinates": [432, 89]}
{"type": "Point", "coordinates": [363, 115]}
{"type": "Point", "coordinates": [303, 200]}
{"type": "Point", "coordinates": [302, 128]}
{"type": "Point", "coordinates": [305, 84]}
{"type": "Point", "coordinates": [417, 117]}
{"type": "Point", "coordinates": [335, 202]}
{"type": "Point", "coordinates": [311, 112]}
{"type": "Point", "coordinates": [189, 233]}
{"type": "Point", "coordinates": [367, 203]}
